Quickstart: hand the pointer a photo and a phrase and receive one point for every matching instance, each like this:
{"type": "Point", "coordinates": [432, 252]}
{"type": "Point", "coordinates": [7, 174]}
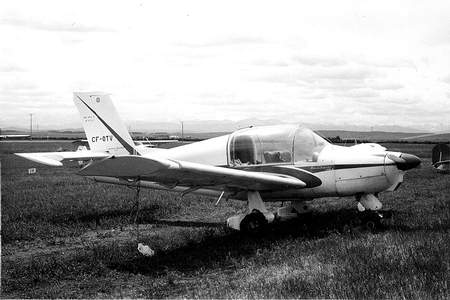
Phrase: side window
{"type": "Point", "coordinates": [244, 150]}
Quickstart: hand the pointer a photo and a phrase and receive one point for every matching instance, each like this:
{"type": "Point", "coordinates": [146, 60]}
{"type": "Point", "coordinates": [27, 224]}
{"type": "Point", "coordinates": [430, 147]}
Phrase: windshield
{"type": "Point", "coordinates": [308, 145]}
{"type": "Point", "coordinates": [282, 144]}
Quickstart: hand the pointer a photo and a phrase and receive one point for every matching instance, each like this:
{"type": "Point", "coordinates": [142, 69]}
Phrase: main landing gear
{"type": "Point", "coordinates": [257, 217]}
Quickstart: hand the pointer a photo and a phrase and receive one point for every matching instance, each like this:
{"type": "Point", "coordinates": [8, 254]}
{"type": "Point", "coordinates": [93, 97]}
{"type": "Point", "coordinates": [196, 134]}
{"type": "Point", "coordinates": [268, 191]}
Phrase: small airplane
{"type": "Point", "coordinates": [147, 143]}
{"type": "Point", "coordinates": [13, 136]}
{"type": "Point", "coordinates": [440, 154]}
{"type": "Point", "coordinates": [440, 158]}
{"type": "Point", "coordinates": [256, 164]}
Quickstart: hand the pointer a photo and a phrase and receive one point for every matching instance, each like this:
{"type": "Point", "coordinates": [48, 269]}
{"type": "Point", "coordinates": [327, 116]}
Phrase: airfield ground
{"type": "Point", "coordinates": [65, 236]}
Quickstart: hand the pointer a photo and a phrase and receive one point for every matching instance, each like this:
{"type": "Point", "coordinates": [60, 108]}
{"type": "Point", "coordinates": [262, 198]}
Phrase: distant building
{"type": "Point", "coordinates": [159, 136]}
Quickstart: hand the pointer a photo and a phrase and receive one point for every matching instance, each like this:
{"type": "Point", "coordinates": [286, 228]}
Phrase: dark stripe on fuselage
{"type": "Point", "coordinates": [323, 168]}
{"type": "Point", "coordinates": [312, 169]}
{"type": "Point", "coordinates": [128, 147]}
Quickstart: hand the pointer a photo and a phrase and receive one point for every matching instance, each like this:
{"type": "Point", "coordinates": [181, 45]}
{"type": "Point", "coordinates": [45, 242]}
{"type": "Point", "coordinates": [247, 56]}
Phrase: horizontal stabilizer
{"type": "Point", "coordinates": [55, 159]}
{"type": "Point", "coordinates": [50, 160]}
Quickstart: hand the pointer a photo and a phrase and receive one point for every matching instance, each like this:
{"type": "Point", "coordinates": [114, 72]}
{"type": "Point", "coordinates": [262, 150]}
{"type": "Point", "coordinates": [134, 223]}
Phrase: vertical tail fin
{"type": "Point", "coordinates": [104, 129]}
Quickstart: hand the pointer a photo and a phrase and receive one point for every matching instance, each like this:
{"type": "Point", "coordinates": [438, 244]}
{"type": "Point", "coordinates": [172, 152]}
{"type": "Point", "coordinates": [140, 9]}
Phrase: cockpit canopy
{"type": "Point", "coordinates": [281, 144]}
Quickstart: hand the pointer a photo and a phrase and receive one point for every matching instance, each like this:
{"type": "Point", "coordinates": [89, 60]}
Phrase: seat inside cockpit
{"type": "Point", "coordinates": [243, 151]}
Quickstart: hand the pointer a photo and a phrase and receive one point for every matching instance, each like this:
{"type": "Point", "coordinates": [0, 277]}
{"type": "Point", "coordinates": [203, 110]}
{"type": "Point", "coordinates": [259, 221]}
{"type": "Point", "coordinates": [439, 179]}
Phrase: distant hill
{"type": "Point", "coordinates": [204, 126]}
{"type": "Point", "coordinates": [376, 136]}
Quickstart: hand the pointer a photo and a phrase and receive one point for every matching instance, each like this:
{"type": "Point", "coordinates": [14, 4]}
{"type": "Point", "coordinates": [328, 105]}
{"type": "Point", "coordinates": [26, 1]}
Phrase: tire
{"type": "Point", "coordinates": [253, 223]}
{"type": "Point", "coordinates": [372, 222]}
{"type": "Point", "coordinates": [370, 225]}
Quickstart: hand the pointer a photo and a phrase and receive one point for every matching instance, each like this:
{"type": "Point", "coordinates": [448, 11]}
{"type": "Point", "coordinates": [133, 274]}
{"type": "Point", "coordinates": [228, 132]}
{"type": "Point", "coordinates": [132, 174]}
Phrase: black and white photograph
{"type": "Point", "coordinates": [225, 149]}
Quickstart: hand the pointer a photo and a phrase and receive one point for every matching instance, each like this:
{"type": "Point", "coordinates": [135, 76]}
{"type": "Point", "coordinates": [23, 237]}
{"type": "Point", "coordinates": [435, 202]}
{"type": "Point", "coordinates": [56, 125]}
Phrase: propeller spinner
{"type": "Point", "coordinates": [405, 161]}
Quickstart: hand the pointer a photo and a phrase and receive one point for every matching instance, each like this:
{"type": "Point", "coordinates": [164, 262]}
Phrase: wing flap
{"type": "Point", "coordinates": [126, 166]}
{"type": "Point", "coordinates": [236, 178]}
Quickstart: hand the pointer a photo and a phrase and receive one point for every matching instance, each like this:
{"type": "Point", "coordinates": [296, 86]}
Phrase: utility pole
{"type": "Point", "coordinates": [182, 130]}
{"type": "Point", "coordinates": [31, 126]}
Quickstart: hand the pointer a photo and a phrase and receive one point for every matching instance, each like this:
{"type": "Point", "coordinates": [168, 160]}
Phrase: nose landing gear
{"type": "Point", "coordinates": [374, 221]}
{"type": "Point", "coordinates": [370, 215]}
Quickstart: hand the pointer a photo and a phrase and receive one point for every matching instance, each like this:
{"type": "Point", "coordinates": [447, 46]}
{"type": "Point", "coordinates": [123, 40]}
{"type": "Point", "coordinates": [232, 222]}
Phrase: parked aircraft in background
{"type": "Point", "coordinates": [146, 143]}
{"type": "Point", "coordinates": [13, 136]}
{"type": "Point", "coordinates": [440, 158]}
{"type": "Point", "coordinates": [440, 154]}
{"type": "Point", "coordinates": [257, 165]}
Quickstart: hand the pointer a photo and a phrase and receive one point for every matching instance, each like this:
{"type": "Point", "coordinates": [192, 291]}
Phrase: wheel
{"type": "Point", "coordinates": [370, 225]}
{"type": "Point", "coordinates": [372, 222]}
{"type": "Point", "coordinates": [253, 223]}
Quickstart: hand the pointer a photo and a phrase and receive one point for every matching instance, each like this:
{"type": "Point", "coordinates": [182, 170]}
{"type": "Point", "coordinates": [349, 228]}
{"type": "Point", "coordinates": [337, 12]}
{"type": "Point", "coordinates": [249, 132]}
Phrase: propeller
{"type": "Point", "coordinates": [405, 161]}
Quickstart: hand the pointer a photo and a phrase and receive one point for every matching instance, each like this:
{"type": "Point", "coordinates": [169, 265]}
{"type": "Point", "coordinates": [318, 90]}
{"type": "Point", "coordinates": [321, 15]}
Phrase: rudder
{"type": "Point", "coordinates": [104, 129]}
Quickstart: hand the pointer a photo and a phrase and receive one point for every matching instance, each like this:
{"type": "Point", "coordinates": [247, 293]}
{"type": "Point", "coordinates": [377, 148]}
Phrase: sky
{"type": "Point", "coordinates": [336, 63]}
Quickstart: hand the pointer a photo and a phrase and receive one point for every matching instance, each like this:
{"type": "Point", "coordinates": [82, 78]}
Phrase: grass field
{"type": "Point", "coordinates": [64, 236]}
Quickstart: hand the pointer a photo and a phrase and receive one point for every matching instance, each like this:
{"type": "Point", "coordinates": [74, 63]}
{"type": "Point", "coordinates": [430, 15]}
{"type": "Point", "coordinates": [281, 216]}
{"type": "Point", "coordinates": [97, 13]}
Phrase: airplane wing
{"type": "Point", "coordinates": [173, 173]}
{"type": "Point", "coordinates": [56, 158]}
